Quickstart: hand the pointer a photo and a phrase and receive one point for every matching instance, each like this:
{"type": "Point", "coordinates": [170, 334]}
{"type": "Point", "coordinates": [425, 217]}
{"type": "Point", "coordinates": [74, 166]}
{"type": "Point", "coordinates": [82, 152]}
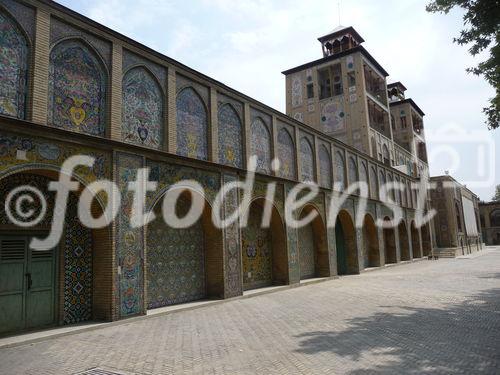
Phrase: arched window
{"type": "Point", "coordinates": [192, 125]}
{"type": "Point", "coordinates": [230, 137]}
{"type": "Point", "coordinates": [142, 115]}
{"type": "Point", "coordinates": [363, 175]}
{"type": "Point", "coordinates": [306, 161]}
{"type": "Point", "coordinates": [353, 171]}
{"type": "Point", "coordinates": [387, 159]}
{"type": "Point", "coordinates": [325, 167]}
{"type": "Point", "coordinates": [286, 154]}
{"type": "Point", "coordinates": [383, 187]}
{"type": "Point", "coordinates": [404, 200]}
{"type": "Point", "coordinates": [14, 52]}
{"type": "Point", "coordinates": [340, 183]}
{"type": "Point", "coordinates": [374, 148]}
{"type": "Point", "coordinates": [495, 218]}
{"type": "Point", "coordinates": [77, 88]}
{"type": "Point", "coordinates": [390, 187]}
{"type": "Point", "coordinates": [373, 183]}
{"type": "Point", "coordinates": [261, 145]}
{"type": "Point", "coordinates": [397, 192]}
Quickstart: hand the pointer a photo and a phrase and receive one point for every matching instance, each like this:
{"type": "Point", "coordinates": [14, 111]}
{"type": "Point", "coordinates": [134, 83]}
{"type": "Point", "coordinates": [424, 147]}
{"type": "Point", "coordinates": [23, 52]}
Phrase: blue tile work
{"type": "Point", "coordinates": [13, 68]}
{"type": "Point", "coordinates": [142, 114]}
{"type": "Point", "coordinates": [293, 247]}
{"type": "Point", "coordinates": [77, 267]}
{"type": "Point", "coordinates": [192, 125]}
{"type": "Point", "coordinates": [77, 89]}
{"type": "Point", "coordinates": [306, 161]}
{"type": "Point", "coordinates": [175, 260]}
{"type": "Point", "coordinates": [325, 167]}
{"type": "Point", "coordinates": [306, 252]}
{"type": "Point", "coordinates": [60, 30]}
{"type": "Point", "coordinates": [257, 251]}
{"type": "Point", "coordinates": [232, 253]}
{"type": "Point", "coordinates": [286, 154]}
{"type": "Point", "coordinates": [23, 14]}
{"type": "Point", "coordinates": [129, 241]}
{"type": "Point", "coordinates": [131, 60]}
{"type": "Point", "coordinates": [76, 246]}
{"type": "Point", "coordinates": [340, 180]}
{"type": "Point", "coordinates": [261, 145]}
{"type": "Point", "coordinates": [230, 136]}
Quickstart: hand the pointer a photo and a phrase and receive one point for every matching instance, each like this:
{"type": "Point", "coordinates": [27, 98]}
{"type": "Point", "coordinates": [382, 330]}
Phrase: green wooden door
{"type": "Point", "coordinates": [341, 250]}
{"type": "Point", "coordinates": [27, 285]}
{"type": "Point", "coordinates": [12, 283]}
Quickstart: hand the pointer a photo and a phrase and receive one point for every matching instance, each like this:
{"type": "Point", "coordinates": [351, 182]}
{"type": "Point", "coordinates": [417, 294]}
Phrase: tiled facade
{"type": "Point", "coordinates": [75, 87]}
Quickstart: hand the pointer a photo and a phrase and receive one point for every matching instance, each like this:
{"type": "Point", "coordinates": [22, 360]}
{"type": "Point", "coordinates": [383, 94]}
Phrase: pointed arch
{"type": "Point", "coordinates": [77, 88]}
{"type": "Point", "coordinates": [14, 57]}
{"type": "Point", "coordinates": [306, 161]}
{"type": "Point", "coordinates": [312, 245]}
{"type": "Point", "coordinates": [353, 170]}
{"type": "Point", "coordinates": [261, 145]}
{"type": "Point", "coordinates": [325, 167]}
{"type": "Point", "coordinates": [340, 180]}
{"type": "Point", "coordinates": [404, 243]}
{"type": "Point", "coordinates": [371, 242]}
{"type": "Point", "coordinates": [389, 241]}
{"type": "Point", "coordinates": [286, 154]}
{"type": "Point", "coordinates": [83, 255]}
{"type": "Point", "coordinates": [264, 253]}
{"type": "Point", "coordinates": [192, 124]}
{"type": "Point", "coordinates": [374, 190]}
{"type": "Point", "coordinates": [230, 136]}
{"type": "Point", "coordinates": [415, 241]}
{"type": "Point", "coordinates": [183, 264]}
{"type": "Point", "coordinates": [346, 244]}
{"type": "Point", "coordinates": [142, 108]}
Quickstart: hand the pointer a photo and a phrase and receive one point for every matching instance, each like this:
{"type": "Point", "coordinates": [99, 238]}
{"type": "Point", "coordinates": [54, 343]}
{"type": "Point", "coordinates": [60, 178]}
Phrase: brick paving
{"type": "Point", "coordinates": [428, 317]}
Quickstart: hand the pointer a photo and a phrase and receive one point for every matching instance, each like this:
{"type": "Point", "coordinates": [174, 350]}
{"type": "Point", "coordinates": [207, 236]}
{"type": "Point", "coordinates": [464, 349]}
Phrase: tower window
{"type": "Point", "coordinates": [325, 84]}
{"type": "Point", "coordinates": [310, 91]}
{"type": "Point", "coordinates": [403, 122]}
{"type": "Point", "coordinates": [337, 79]}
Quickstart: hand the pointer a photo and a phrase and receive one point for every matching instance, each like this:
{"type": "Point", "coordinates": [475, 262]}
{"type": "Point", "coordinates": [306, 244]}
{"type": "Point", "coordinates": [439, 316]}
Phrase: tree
{"type": "Point", "coordinates": [482, 30]}
{"type": "Point", "coordinates": [497, 194]}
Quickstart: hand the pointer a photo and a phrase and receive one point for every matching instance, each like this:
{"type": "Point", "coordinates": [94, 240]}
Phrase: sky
{"type": "Point", "coordinates": [246, 44]}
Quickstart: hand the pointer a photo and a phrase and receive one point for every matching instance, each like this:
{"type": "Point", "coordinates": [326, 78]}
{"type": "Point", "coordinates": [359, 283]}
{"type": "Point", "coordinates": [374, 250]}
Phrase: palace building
{"type": "Point", "coordinates": [456, 224]}
{"type": "Point", "coordinates": [70, 86]}
{"type": "Point", "coordinates": [490, 222]}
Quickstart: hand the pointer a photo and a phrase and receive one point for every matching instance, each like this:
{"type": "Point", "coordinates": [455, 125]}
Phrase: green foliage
{"type": "Point", "coordinates": [482, 31]}
{"type": "Point", "coordinates": [497, 194]}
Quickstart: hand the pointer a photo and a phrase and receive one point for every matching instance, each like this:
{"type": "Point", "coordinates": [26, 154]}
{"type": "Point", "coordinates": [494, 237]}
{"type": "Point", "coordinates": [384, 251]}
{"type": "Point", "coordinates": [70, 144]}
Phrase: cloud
{"type": "Point", "coordinates": [247, 43]}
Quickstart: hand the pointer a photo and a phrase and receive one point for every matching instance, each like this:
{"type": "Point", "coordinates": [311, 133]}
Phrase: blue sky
{"type": "Point", "coordinates": [247, 43]}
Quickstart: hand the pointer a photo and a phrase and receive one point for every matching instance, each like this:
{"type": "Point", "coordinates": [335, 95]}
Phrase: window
{"type": "Point", "coordinates": [337, 80]}
{"type": "Point", "coordinates": [351, 79]}
{"type": "Point", "coordinates": [387, 160]}
{"type": "Point", "coordinates": [325, 84]}
{"type": "Point", "coordinates": [403, 122]}
{"type": "Point", "coordinates": [310, 91]}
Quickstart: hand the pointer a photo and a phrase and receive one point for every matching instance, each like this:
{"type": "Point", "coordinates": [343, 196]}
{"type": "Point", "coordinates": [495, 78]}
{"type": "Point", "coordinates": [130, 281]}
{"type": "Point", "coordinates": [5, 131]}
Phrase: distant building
{"type": "Point", "coordinates": [456, 225]}
{"type": "Point", "coordinates": [490, 222]}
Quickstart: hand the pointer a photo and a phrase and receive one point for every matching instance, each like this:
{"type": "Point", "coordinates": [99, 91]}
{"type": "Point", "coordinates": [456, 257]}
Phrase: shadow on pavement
{"type": "Point", "coordinates": [459, 339]}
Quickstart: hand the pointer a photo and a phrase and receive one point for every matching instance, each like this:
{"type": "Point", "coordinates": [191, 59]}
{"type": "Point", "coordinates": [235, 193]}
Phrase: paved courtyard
{"type": "Point", "coordinates": [428, 317]}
